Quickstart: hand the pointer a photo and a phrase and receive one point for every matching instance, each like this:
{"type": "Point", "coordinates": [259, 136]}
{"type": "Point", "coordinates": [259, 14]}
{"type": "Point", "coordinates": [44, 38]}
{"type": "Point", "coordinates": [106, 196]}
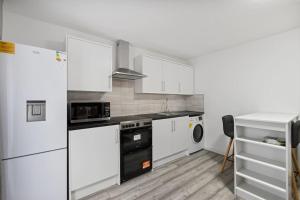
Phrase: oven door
{"type": "Point", "coordinates": [136, 152]}
{"type": "Point", "coordinates": [135, 139]}
{"type": "Point", "coordinates": [136, 163]}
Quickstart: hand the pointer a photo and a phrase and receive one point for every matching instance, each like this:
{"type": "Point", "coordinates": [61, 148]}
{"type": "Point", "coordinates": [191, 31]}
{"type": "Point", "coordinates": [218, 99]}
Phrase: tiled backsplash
{"type": "Point", "coordinates": [195, 103]}
{"type": "Point", "coordinates": [124, 101]}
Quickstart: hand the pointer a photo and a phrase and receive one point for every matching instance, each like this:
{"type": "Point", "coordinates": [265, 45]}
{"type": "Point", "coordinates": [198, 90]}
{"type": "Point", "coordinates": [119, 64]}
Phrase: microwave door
{"type": "Point", "coordinates": [88, 111]}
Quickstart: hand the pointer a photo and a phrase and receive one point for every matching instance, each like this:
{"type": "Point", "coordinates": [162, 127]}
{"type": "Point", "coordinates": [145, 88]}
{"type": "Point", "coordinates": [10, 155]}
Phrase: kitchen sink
{"type": "Point", "coordinates": [167, 113]}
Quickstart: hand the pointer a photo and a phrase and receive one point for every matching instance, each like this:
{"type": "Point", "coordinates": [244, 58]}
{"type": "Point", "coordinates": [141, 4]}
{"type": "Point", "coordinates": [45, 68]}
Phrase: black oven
{"type": "Point", "coordinates": [88, 111]}
{"type": "Point", "coordinates": [136, 148]}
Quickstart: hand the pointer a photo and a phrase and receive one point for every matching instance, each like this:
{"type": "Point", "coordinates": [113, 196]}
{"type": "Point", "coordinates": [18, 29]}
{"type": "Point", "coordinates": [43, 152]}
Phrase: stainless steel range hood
{"type": "Point", "coordinates": [123, 71]}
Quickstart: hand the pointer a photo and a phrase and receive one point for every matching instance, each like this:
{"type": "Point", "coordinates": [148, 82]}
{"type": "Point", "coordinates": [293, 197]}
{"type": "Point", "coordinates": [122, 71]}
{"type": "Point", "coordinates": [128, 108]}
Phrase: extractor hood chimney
{"type": "Point", "coordinates": [123, 71]}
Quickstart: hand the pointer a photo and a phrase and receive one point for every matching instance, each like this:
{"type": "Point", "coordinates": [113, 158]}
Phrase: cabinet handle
{"type": "Point", "coordinates": [174, 126]}
{"type": "Point", "coordinates": [162, 86]}
{"type": "Point", "coordinates": [109, 82]}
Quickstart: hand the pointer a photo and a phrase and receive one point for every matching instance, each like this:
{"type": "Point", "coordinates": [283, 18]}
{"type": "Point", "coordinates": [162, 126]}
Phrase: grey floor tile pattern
{"type": "Point", "coordinates": [194, 177]}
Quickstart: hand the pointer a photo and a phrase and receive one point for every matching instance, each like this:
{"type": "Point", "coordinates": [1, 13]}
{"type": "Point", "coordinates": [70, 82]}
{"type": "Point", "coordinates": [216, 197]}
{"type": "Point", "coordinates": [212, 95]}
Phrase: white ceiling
{"type": "Point", "coordinates": [182, 28]}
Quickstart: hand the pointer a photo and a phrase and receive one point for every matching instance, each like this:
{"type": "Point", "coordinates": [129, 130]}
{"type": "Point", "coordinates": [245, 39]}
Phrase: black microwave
{"type": "Point", "coordinates": [88, 111]}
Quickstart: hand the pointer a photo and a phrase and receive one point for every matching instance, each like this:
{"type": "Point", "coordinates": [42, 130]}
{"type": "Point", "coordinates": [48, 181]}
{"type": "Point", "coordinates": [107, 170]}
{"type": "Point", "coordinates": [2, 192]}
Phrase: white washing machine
{"type": "Point", "coordinates": [196, 134]}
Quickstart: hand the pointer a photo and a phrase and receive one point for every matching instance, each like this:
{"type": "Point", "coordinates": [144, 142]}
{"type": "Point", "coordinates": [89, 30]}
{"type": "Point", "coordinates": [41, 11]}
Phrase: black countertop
{"type": "Point", "coordinates": [77, 126]}
{"type": "Point", "coordinates": [117, 120]}
{"type": "Point", "coordinates": [156, 116]}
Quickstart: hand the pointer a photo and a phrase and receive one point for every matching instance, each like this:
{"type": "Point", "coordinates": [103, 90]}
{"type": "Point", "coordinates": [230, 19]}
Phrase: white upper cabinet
{"type": "Point", "coordinates": [89, 65]}
{"type": "Point", "coordinates": [153, 69]}
{"type": "Point", "coordinates": [186, 80]}
{"type": "Point", "coordinates": [163, 76]}
{"type": "Point", "coordinates": [171, 77]}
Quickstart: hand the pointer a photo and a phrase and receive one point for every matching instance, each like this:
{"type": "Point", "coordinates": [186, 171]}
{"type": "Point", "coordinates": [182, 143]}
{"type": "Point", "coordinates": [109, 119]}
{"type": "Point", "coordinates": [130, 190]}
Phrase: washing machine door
{"type": "Point", "coordinates": [198, 133]}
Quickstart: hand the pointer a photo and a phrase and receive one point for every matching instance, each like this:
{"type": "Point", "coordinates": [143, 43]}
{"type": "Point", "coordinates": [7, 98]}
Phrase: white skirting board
{"type": "Point", "coordinates": [94, 188]}
{"type": "Point", "coordinates": [169, 159]}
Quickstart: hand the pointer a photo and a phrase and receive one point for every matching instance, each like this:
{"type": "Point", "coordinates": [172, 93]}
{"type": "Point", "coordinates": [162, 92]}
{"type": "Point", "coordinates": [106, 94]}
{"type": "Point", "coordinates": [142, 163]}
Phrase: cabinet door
{"type": "Point", "coordinates": [161, 138]}
{"type": "Point", "coordinates": [93, 155]}
{"type": "Point", "coordinates": [171, 77]}
{"type": "Point", "coordinates": [152, 68]}
{"type": "Point", "coordinates": [89, 65]}
{"type": "Point", "coordinates": [179, 136]}
{"type": "Point", "coordinates": [186, 85]}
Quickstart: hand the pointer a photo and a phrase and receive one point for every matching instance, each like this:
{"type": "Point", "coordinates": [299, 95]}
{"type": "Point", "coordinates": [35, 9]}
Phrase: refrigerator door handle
{"type": "Point", "coordinates": [117, 138]}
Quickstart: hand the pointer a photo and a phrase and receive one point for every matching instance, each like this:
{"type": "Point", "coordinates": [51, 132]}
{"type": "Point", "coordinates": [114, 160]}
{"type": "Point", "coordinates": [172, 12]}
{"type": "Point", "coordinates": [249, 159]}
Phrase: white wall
{"type": "Point", "coordinates": [1, 20]}
{"type": "Point", "coordinates": [1, 17]}
{"type": "Point", "coordinates": [260, 76]}
{"type": "Point", "coordinates": [34, 32]}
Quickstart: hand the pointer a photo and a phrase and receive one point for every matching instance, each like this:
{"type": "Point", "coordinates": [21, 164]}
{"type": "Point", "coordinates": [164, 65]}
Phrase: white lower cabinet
{"type": "Point", "coordinates": [93, 158]}
{"type": "Point", "coordinates": [169, 137]}
{"type": "Point", "coordinates": [161, 134]}
{"type": "Point", "coordinates": [179, 135]}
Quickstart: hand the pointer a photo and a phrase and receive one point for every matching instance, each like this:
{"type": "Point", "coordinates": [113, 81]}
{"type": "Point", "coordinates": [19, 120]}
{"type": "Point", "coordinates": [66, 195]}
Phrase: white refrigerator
{"type": "Point", "coordinates": [33, 124]}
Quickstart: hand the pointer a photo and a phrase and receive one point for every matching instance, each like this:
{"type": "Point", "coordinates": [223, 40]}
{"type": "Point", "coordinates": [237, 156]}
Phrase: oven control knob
{"type": "Point", "coordinates": [137, 124]}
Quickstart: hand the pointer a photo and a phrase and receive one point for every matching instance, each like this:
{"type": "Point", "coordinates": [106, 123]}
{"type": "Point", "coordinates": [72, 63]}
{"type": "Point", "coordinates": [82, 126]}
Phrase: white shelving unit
{"type": "Point", "coordinates": [249, 192]}
{"type": "Point", "coordinates": [262, 161]}
{"type": "Point", "coordinates": [259, 142]}
{"type": "Point", "coordinates": [262, 170]}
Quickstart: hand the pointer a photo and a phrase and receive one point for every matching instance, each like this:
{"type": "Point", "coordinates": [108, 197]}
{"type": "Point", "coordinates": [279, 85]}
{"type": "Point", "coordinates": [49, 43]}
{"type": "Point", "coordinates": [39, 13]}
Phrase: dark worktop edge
{"type": "Point", "coordinates": [116, 120]}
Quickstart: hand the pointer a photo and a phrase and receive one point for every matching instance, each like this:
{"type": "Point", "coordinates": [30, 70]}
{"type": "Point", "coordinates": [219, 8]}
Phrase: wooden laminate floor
{"type": "Point", "coordinates": [194, 177]}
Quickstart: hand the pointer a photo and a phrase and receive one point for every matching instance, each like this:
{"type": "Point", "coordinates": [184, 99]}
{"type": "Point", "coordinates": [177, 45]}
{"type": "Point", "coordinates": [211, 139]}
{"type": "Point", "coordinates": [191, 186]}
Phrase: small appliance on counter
{"type": "Point", "coordinates": [88, 111]}
{"type": "Point", "coordinates": [135, 148]}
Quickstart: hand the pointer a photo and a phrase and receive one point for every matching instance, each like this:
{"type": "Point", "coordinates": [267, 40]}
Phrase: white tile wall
{"type": "Point", "coordinates": [195, 103]}
{"type": "Point", "coordinates": [124, 101]}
